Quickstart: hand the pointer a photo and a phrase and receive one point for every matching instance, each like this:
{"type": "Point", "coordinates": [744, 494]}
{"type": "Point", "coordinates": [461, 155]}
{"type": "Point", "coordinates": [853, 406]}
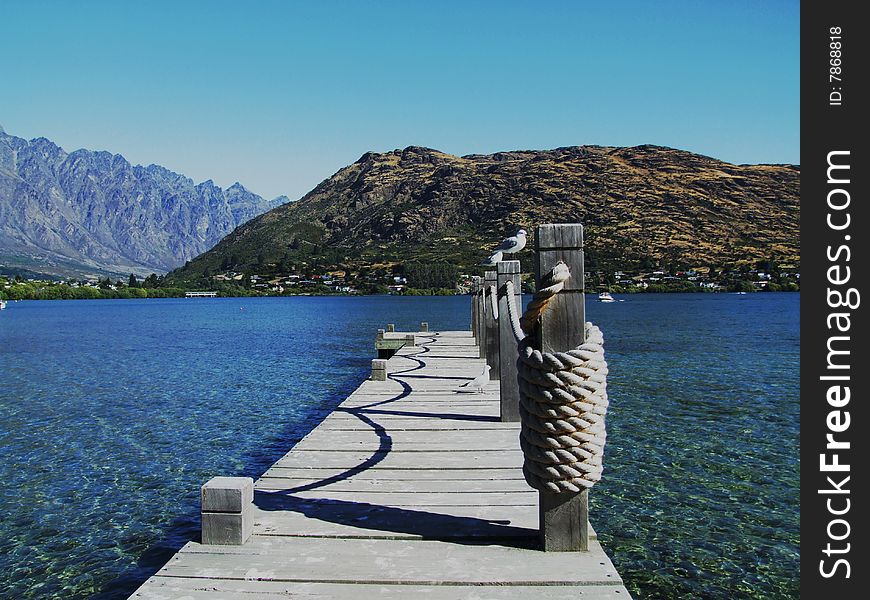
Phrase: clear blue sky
{"type": "Point", "coordinates": [280, 95]}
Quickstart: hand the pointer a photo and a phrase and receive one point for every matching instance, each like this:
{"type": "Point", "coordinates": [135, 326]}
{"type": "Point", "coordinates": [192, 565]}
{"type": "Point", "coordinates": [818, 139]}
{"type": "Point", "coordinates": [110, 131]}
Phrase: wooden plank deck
{"type": "Point", "coordinates": [408, 489]}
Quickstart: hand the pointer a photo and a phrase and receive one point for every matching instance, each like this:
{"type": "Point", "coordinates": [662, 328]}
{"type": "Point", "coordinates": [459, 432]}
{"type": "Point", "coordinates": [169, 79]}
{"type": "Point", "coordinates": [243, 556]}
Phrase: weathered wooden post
{"type": "Point", "coordinates": [391, 327]}
{"type": "Point", "coordinates": [490, 281]}
{"type": "Point", "coordinates": [424, 327]}
{"type": "Point", "coordinates": [508, 270]}
{"type": "Point", "coordinates": [563, 517]}
{"type": "Point", "coordinates": [227, 510]}
{"type": "Point", "coordinates": [481, 319]}
{"type": "Point", "coordinates": [475, 287]}
{"type": "Point", "coordinates": [379, 369]}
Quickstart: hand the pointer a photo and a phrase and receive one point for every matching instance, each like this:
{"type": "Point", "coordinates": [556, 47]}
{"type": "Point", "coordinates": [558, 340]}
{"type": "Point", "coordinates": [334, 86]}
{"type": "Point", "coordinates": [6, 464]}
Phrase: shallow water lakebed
{"type": "Point", "coordinates": [112, 413]}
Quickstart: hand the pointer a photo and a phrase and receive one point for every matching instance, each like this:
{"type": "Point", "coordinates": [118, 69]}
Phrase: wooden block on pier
{"type": "Point", "coordinates": [379, 369]}
{"type": "Point", "coordinates": [227, 510]}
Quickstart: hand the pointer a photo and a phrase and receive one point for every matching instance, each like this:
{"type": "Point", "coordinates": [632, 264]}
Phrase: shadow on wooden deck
{"type": "Point", "coordinates": [403, 522]}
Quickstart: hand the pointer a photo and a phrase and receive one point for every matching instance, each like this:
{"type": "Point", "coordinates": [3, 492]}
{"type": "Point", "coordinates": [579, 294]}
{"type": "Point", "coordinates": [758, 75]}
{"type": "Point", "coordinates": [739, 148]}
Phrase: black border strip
{"type": "Point", "coordinates": [834, 261]}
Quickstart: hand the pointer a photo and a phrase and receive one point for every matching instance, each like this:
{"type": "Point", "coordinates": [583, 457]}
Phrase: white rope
{"type": "Point", "coordinates": [514, 318]}
{"type": "Point", "coordinates": [493, 299]}
{"type": "Point", "coordinates": [563, 400]}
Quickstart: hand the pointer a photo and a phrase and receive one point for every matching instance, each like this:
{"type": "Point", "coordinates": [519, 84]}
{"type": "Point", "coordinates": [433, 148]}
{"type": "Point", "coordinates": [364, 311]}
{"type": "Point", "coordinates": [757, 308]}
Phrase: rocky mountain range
{"type": "Point", "coordinates": [640, 205]}
{"type": "Point", "coordinates": [87, 213]}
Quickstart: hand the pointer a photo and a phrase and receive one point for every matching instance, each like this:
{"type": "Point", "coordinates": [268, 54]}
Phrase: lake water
{"type": "Point", "coordinates": [114, 412]}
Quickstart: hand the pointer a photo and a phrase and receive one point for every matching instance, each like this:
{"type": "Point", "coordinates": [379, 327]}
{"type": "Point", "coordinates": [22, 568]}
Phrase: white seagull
{"type": "Point", "coordinates": [492, 260]}
{"type": "Point", "coordinates": [476, 384]}
{"type": "Point", "coordinates": [512, 244]}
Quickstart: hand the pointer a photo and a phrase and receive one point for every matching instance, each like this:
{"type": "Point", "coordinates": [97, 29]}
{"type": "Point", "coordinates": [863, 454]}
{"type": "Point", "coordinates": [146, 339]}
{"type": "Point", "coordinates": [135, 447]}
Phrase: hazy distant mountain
{"type": "Point", "coordinates": [640, 205]}
{"type": "Point", "coordinates": [88, 212]}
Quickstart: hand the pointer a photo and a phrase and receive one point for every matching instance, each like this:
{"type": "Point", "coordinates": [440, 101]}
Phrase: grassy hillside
{"type": "Point", "coordinates": [642, 206]}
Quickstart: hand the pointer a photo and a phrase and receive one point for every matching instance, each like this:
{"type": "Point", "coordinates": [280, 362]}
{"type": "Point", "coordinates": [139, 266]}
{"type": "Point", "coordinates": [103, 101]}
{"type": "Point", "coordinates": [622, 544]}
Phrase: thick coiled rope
{"type": "Point", "coordinates": [563, 399]}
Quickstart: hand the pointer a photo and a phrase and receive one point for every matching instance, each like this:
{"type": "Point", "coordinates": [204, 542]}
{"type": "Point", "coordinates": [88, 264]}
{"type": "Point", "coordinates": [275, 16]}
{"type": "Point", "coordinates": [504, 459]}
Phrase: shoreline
{"type": "Point", "coordinates": [593, 294]}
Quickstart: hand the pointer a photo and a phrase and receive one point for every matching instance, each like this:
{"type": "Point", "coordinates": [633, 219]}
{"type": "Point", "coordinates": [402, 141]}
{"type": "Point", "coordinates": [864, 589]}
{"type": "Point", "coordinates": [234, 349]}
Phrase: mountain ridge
{"type": "Point", "coordinates": [91, 212]}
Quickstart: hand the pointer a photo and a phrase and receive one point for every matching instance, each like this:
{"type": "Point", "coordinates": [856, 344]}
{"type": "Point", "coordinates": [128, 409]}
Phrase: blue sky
{"type": "Point", "coordinates": [280, 95]}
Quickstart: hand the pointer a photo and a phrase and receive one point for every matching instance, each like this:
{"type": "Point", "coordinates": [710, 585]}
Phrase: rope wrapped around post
{"type": "Point", "coordinates": [563, 401]}
{"type": "Point", "coordinates": [493, 301]}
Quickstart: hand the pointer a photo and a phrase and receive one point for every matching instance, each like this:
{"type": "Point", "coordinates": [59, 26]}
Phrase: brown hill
{"type": "Point", "coordinates": [640, 205]}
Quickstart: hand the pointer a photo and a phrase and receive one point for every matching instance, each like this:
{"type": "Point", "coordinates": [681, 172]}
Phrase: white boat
{"type": "Point", "coordinates": [605, 297]}
{"type": "Point", "coordinates": [2, 304]}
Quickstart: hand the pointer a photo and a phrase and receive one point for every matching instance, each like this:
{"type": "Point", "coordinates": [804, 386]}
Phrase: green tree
{"type": "Point", "coordinates": [87, 293]}
{"type": "Point", "coordinates": [431, 275]}
{"type": "Point", "coordinates": [132, 282]}
{"type": "Point", "coordinates": [742, 285]}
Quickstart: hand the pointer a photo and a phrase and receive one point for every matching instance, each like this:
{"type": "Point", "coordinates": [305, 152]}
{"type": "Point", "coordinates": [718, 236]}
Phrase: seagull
{"type": "Point", "coordinates": [492, 260]}
{"type": "Point", "coordinates": [512, 244]}
{"type": "Point", "coordinates": [477, 383]}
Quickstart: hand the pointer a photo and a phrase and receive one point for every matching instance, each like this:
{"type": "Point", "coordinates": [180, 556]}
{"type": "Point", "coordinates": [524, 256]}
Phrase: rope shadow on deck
{"type": "Point", "coordinates": [426, 525]}
{"type": "Point", "coordinates": [402, 522]}
{"type": "Point", "coordinates": [407, 388]}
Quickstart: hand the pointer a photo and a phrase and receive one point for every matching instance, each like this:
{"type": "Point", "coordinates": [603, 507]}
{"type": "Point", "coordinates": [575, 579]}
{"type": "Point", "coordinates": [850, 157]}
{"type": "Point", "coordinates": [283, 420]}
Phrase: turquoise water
{"type": "Point", "coordinates": [112, 413]}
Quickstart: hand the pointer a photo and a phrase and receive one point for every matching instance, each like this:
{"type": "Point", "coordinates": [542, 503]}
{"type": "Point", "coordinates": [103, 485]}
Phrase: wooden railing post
{"type": "Point", "coordinates": [508, 270]}
{"type": "Point", "coordinates": [490, 280]}
{"type": "Point", "coordinates": [564, 517]}
{"type": "Point", "coordinates": [475, 313]}
{"type": "Point", "coordinates": [481, 320]}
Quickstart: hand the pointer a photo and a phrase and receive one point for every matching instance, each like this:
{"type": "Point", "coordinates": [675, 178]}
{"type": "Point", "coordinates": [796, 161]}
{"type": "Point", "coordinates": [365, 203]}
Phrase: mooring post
{"type": "Point", "coordinates": [490, 281]}
{"type": "Point", "coordinates": [563, 517]}
{"type": "Point", "coordinates": [481, 319]}
{"type": "Point", "coordinates": [508, 270]}
{"type": "Point", "coordinates": [424, 327]}
{"type": "Point", "coordinates": [227, 510]}
{"type": "Point", "coordinates": [379, 369]}
{"type": "Point", "coordinates": [475, 287]}
{"type": "Point", "coordinates": [391, 327]}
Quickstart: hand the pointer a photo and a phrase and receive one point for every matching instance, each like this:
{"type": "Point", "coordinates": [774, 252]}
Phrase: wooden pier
{"type": "Point", "coordinates": [413, 486]}
{"type": "Point", "coordinates": [409, 489]}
